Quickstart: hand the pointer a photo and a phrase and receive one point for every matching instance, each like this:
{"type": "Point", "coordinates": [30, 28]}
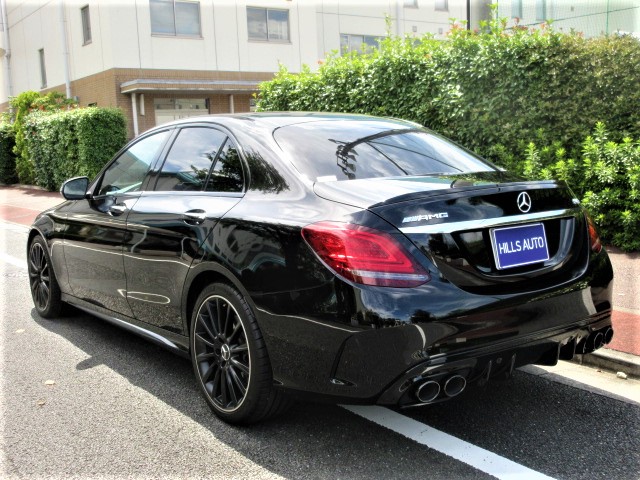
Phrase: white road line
{"type": "Point", "coordinates": [465, 452]}
{"type": "Point", "coordinates": [16, 262]}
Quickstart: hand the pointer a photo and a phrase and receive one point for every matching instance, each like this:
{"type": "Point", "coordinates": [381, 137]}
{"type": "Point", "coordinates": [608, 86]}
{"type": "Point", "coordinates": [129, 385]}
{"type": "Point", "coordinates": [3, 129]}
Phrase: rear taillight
{"type": "Point", "coordinates": [594, 238]}
{"type": "Point", "coordinates": [364, 255]}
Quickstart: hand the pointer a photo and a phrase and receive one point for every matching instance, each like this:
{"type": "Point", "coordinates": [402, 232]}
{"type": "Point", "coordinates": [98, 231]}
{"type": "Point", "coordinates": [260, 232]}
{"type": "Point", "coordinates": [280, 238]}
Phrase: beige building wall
{"type": "Point", "coordinates": [125, 65]}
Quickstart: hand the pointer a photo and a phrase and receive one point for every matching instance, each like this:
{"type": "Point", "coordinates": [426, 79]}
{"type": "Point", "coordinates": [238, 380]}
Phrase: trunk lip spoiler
{"type": "Point", "coordinates": [491, 222]}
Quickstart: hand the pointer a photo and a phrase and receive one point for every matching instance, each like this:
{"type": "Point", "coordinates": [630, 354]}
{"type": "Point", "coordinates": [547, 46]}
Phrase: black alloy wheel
{"type": "Point", "coordinates": [222, 353]}
{"type": "Point", "coordinates": [44, 287]}
{"type": "Point", "coordinates": [230, 359]}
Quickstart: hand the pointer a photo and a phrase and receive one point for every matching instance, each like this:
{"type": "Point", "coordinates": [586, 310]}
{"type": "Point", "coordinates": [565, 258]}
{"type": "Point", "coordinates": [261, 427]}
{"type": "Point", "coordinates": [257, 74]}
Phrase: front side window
{"type": "Point", "coordinates": [86, 24]}
{"type": "Point", "coordinates": [358, 43]}
{"type": "Point", "coordinates": [127, 172]}
{"type": "Point", "coordinates": [190, 159]}
{"type": "Point", "coordinates": [175, 17]}
{"type": "Point", "coordinates": [268, 24]}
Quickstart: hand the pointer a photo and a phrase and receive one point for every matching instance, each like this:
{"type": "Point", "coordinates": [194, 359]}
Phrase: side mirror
{"type": "Point", "coordinates": [75, 188]}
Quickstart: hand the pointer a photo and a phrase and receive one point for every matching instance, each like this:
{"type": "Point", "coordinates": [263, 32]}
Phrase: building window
{"type": "Point", "coordinates": [516, 8]}
{"type": "Point", "coordinates": [175, 17]}
{"type": "Point", "coordinates": [541, 9]}
{"type": "Point", "coordinates": [358, 43]}
{"type": "Point", "coordinates": [268, 24]}
{"type": "Point", "coordinates": [43, 70]}
{"type": "Point", "coordinates": [442, 5]}
{"type": "Point", "coordinates": [411, 3]}
{"type": "Point", "coordinates": [86, 24]}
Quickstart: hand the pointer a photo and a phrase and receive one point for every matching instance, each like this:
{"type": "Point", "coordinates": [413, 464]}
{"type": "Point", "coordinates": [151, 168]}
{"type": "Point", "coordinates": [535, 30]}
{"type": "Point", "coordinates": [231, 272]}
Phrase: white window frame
{"type": "Point", "coordinates": [85, 17]}
{"type": "Point", "coordinates": [269, 40]}
{"type": "Point", "coordinates": [175, 24]}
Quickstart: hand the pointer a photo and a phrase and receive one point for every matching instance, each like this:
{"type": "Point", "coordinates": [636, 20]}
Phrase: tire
{"type": "Point", "coordinates": [44, 287]}
{"type": "Point", "coordinates": [230, 358]}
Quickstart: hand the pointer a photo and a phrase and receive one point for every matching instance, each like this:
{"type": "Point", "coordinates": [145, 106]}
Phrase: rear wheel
{"type": "Point", "coordinates": [44, 286]}
{"type": "Point", "coordinates": [230, 358]}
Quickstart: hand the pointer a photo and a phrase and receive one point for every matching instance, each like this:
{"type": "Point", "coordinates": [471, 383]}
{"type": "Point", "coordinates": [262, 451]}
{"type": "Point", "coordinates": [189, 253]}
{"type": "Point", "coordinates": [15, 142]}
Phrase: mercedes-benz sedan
{"type": "Point", "coordinates": [350, 258]}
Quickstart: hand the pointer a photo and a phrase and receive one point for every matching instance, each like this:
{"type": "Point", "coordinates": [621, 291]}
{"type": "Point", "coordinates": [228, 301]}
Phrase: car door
{"type": "Point", "coordinates": [95, 227]}
{"type": "Point", "coordinates": [200, 180]}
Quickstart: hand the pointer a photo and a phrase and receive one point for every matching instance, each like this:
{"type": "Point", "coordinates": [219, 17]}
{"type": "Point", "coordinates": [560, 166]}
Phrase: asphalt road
{"type": "Point", "coordinates": [120, 407]}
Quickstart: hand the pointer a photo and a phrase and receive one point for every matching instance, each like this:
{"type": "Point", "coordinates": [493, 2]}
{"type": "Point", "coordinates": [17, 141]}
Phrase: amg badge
{"type": "Point", "coordinates": [427, 217]}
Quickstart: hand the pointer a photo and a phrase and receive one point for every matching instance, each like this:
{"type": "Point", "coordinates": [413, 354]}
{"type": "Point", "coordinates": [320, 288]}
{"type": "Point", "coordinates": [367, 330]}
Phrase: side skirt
{"type": "Point", "coordinates": [178, 344]}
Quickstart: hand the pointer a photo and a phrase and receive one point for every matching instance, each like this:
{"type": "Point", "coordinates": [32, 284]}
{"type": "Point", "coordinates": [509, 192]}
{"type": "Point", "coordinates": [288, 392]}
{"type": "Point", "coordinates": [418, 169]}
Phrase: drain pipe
{"type": "Point", "coordinates": [7, 50]}
{"type": "Point", "coordinates": [65, 49]}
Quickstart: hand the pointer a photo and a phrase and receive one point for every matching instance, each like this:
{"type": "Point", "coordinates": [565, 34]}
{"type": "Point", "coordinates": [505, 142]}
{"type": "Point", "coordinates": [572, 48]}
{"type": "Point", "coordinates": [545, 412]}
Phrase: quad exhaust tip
{"type": "Point", "coordinates": [454, 385]}
{"type": "Point", "coordinates": [428, 391]}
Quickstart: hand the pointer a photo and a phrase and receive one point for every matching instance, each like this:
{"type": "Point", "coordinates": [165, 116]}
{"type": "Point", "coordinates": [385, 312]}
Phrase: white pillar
{"type": "Point", "coordinates": [232, 107]}
{"type": "Point", "coordinates": [134, 112]}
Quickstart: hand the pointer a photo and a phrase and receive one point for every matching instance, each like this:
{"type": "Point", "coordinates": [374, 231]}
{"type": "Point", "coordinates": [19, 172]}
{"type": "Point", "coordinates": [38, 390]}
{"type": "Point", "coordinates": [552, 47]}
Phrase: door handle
{"type": "Point", "coordinates": [194, 217]}
{"type": "Point", "coordinates": [117, 209]}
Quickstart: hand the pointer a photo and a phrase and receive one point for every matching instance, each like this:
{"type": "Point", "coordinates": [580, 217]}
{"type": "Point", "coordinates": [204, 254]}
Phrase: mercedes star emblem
{"type": "Point", "coordinates": [524, 202]}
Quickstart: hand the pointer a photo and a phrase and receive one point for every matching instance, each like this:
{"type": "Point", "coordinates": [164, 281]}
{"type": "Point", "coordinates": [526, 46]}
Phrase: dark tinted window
{"type": "Point", "coordinates": [190, 159]}
{"type": "Point", "coordinates": [341, 150]}
{"type": "Point", "coordinates": [127, 172]}
{"type": "Point", "coordinates": [227, 173]}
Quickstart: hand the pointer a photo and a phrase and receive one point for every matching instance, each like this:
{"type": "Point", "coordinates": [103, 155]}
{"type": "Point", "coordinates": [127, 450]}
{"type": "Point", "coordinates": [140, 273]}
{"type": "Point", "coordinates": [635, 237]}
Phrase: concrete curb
{"type": "Point", "coordinates": [611, 360]}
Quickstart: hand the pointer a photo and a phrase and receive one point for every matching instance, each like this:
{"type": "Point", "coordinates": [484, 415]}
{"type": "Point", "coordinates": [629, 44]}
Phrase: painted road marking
{"type": "Point", "coordinates": [16, 262]}
{"type": "Point", "coordinates": [465, 452]}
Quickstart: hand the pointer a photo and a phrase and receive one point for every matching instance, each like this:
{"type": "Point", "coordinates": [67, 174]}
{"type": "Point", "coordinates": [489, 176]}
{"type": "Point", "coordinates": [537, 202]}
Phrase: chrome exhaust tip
{"type": "Point", "coordinates": [598, 341]}
{"type": "Point", "coordinates": [454, 385]}
{"type": "Point", "coordinates": [608, 335]}
{"type": "Point", "coordinates": [428, 391]}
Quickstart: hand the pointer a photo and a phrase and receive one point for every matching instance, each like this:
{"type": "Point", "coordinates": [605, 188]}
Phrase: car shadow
{"type": "Point", "coordinates": [528, 419]}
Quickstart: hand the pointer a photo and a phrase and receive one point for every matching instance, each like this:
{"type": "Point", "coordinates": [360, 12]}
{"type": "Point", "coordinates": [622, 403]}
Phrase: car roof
{"type": "Point", "coordinates": [274, 120]}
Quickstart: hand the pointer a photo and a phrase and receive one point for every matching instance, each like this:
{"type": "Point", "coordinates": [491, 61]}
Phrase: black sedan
{"type": "Point", "coordinates": [348, 258]}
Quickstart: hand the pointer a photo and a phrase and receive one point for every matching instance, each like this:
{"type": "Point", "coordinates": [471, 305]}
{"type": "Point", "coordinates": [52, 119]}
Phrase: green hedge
{"type": "Point", "coordinates": [495, 92]}
{"type": "Point", "coordinates": [7, 157]}
{"type": "Point", "coordinates": [606, 177]}
{"type": "Point", "coordinates": [72, 143]}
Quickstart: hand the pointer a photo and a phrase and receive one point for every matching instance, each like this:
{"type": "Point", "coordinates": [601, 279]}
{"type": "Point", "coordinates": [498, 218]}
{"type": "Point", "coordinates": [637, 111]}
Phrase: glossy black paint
{"type": "Point", "coordinates": [144, 265]}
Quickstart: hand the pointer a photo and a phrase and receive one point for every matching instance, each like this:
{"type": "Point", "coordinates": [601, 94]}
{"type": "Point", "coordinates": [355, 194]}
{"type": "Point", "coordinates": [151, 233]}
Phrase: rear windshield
{"type": "Point", "coordinates": [349, 150]}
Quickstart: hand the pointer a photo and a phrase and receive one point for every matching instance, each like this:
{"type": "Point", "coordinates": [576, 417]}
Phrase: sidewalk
{"type": "Point", "coordinates": [21, 205]}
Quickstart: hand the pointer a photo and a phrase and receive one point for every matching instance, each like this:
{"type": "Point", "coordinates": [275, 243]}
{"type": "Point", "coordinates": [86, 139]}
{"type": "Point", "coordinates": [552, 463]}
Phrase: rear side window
{"type": "Point", "coordinates": [227, 172]}
{"type": "Point", "coordinates": [190, 159]}
{"type": "Point", "coordinates": [348, 150]}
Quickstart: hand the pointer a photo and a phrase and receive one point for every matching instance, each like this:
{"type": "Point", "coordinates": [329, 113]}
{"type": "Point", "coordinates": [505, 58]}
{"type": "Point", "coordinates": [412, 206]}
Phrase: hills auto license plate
{"type": "Point", "coordinates": [520, 245]}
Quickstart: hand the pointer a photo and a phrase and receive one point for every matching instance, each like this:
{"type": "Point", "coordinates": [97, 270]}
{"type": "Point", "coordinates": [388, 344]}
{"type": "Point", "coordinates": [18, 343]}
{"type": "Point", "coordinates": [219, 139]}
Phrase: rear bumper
{"type": "Point", "coordinates": [390, 341]}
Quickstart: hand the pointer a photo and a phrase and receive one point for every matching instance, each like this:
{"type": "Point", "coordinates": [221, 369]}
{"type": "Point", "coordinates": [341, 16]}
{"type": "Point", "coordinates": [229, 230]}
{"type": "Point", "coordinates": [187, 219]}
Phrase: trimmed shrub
{"type": "Point", "coordinates": [606, 177]}
{"type": "Point", "coordinates": [7, 157]}
{"type": "Point", "coordinates": [491, 91]}
{"type": "Point", "coordinates": [72, 143]}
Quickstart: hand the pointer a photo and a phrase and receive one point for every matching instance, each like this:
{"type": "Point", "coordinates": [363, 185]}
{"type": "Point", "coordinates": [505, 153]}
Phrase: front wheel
{"type": "Point", "coordinates": [230, 358]}
{"type": "Point", "coordinates": [42, 280]}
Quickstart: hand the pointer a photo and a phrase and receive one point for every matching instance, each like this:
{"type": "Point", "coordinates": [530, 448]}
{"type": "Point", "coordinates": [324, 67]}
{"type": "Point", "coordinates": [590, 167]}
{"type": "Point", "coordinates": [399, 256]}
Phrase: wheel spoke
{"type": "Point", "coordinates": [204, 340]}
{"type": "Point", "coordinates": [238, 381]}
{"type": "Point", "coordinates": [214, 320]}
{"type": "Point", "coordinates": [223, 390]}
{"type": "Point", "coordinates": [239, 348]}
{"type": "Point", "coordinates": [237, 328]}
{"type": "Point", "coordinates": [205, 356]}
{"type": "Point", "coordinates": [232, 390]}
{"type": "Point", "coordinates": [214, 384]}
{"type": "Point", "coordinates": [240, 365]}
{"type": "Point", "coordinates": [202, 321]}
{"type": "Point", "coordinates": [212, 368]}
{"type": "Point", "coordinates": [222, 327]}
